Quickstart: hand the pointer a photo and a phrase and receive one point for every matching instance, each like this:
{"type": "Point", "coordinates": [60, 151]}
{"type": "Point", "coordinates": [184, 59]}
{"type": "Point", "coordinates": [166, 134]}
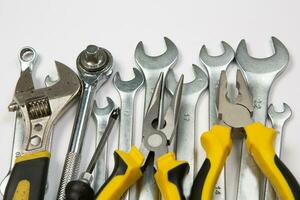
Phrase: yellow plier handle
{"type": "Point", "coordinates": [259, 141]}
{"type": "Point", "coordinates": [126, 172]}
{"type": "Point", "coordinates": [217, 145]}
{"type": "Point", "coordinates": [169, 175]}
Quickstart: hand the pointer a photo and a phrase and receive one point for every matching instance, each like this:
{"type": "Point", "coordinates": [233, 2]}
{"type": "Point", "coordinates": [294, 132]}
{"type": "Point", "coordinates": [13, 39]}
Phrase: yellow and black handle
{"type": "Point", "coordinates": [29, 177]}
{"type": "Point", "coordinates": [217, 145]}
{"type": "Point", "coordinates": [260, 142]}
{"type": "Point", "coordinates": [169, 176]}
{"type": "Point", "coordinates": [126, 172]}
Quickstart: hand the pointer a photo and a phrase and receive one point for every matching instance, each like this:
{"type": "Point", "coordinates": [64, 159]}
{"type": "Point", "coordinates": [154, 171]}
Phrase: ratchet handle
{"type": "Point", "coordinates": [217, 145]}
{"type": "Point", "coordinates": [126, 172]}
{"type": "Point", "coordinates": [28, 177]}
{"type": "Point", "coordinates": [169, 176]}
{"type": "Point", "coordinates": [260, 144]}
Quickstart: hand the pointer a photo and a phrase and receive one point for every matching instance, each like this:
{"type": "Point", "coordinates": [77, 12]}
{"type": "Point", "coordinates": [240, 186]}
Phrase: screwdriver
{"type": "Point", "coordinates": [81, 189]}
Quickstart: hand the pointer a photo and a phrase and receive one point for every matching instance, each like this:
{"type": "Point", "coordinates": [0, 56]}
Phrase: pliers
{"type": "Point", "coordinates": [236, 122]}
{"type": "Point", "coordinates": [156, 143]}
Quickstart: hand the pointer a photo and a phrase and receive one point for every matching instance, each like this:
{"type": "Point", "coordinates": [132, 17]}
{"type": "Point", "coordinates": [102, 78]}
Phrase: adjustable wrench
{"type": "Point", "coordinates": [27, 58]}
{"type": "Point", "coordinates": [127, 91]}
{"type": "Point", "coordinates": [94, 65]}
{"type": "Point", "coordinates": [260, 74]}
{"type": "Point", "coordinates": [101, 117]}
{"type": "Point", "coordinates": [186, 125]}
{"type": "Point", "coordinates": [152, 67]}
{"type": "Point", "coordinates": [278, 120]}
{"type": "Point", "coordinates": [214, 66]}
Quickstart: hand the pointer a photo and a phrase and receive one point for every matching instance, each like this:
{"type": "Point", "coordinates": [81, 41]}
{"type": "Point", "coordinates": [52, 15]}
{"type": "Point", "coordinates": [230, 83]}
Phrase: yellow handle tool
{"type": "Point", "coordinates": [260, 141]}
{"type": "Point", "coordinates": [217, 145]}
{"type": "Point", "coordinates": [169, 175]}
{"type": "Point", "coordinates": [28, 177]}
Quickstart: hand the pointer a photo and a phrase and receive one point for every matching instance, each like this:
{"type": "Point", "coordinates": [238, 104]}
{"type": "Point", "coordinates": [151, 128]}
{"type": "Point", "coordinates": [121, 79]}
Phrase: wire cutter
{"type": "Point", "coordinates": [156, 142]}
{"type": "Point", "coordinates": [236, 119]}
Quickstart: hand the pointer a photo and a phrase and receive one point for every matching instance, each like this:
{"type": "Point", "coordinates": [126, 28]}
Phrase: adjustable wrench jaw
{"type": "Point", "coordinates": [41, 107]}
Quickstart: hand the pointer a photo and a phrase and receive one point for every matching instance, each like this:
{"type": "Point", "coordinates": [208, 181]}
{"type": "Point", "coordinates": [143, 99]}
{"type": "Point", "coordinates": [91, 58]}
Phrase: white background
{"type": "Point", "coordinates": [59, 30]}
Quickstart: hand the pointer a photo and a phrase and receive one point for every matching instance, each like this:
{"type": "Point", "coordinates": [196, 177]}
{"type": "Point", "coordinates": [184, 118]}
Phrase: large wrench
{"type": "Point", "coordinates": [27, 58]}
{"type": "Point", "coordinates": [152, 66]}
{"type": "Point", "coordinates": [94, 65]}
{"type": "Point", "coordinates": [278, 120]}
{"type": "Point", "coordinates": [127, 91]}
{"type": "Point", "coordinates": [214, 66]}
{"type": "Point", "coordinates": [186, 126]}
{"type": "Point", "coordinates": [101, 117]}
{"type": "Point", "coordinates": [260, 74]}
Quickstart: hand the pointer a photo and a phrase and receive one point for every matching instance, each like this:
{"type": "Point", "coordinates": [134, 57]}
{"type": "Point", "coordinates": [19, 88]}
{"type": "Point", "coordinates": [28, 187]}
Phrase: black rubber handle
{"type": "Point", "coordinates": [28, 178]}
{"type": "Point", "coordinates": [79, 190]}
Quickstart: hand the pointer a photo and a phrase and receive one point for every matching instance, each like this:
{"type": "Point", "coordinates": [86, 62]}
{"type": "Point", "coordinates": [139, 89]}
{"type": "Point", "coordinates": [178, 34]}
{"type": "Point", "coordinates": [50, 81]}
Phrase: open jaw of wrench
{"type": "Point", "coordinates": [278, 120]}
{"type": "Point", "coordinates": [186, 125]}
{"type": "Point", "coordinates": [214, 66]}
{"type": "Point", "coordinates": [152, 67]}
{"type": "Point", "coordinates": [27, 58]}
{"type": "Point", "coordinates": [260, 74]}
{"type": "Point", "coordinates": [94, 65]}
{"type": "Point", "coordinates": [127, 91]}
{"type": "Point", "coordinates": [101, 117]}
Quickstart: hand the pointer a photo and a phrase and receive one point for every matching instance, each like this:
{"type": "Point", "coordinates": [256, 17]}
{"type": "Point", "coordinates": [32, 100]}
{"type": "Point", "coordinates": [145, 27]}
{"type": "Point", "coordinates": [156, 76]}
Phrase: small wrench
{"type": "Point", "coordinates": [186, 125]}
{"type": "Point", "coordinates": [127, 91]}
{"type": "Point", "coordinates": [260, 74]}
{"type": "Point", "coordinates": [152, 67]}
{"type": "Point", "coordinates": [101, 117]}
{"type": "Point", "coordinates": [27, 58]}
{"type": "Point", "coordinates": [214, 66]}
{"type": "Point", "coordinates": [278, 120]}
{"type": "Point", "coordinates": [94, 65]}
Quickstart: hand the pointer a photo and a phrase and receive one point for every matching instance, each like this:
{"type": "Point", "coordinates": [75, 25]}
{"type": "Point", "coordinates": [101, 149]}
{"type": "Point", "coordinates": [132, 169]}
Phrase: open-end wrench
{"type": "Point", "coordinates": [152, 67]}
{"type": "Point", "coordinates": [94, 65]}
{"type": "Point", "coordinates": [278, 120]}
{"type": "Point", "coordinates": [214, 66]}
{"type": "Point", "coordinates": [260, 74]}
{"type": "Point", "coordinates": [27, 58]}
{"type": "Point", "coordinates": [101, 117]}
{"type": "Point", "coordinates": [127, 91]}
{"type": "Point", "coordinates": [186, 124]}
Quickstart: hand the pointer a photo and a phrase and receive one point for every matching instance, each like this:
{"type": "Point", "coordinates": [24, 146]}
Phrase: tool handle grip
{"type": "Point", "coordinates": [169, 176]}
{"type": "Point", "coordinates": [126, 172]}
{"type": "Point", "coordinates": [28, 177]}
{"type": "Point", "coordinates": [217, 145]}
{"type": "Point", "coordinates": [260, 144]}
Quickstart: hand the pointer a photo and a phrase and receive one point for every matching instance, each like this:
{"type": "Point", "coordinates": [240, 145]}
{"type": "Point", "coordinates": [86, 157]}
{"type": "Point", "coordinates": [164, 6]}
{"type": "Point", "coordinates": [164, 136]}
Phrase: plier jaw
{"type": "Point", "coordinates": [237, 113]}
{"type": "Point", "coordinates": [158, 139]}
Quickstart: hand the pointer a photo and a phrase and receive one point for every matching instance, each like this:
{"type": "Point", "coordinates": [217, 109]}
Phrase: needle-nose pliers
{"type": "Point", "coordinates": [156, 142]}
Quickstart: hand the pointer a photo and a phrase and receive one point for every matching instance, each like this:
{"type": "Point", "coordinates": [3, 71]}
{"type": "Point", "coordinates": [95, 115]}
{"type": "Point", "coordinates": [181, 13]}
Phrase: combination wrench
{"type": "Point", "coordinates": [278, 120]}
{"type": "Point", "coordinates": [101, 117]}
{"type": "Point", "coordinates": [214, 66]}
{"type": "Point", "coordinates": [186, 125]}
{"type": "Point", "coordinates": [260, 74]}
{"type": "Point", "coordinates": [152, 67]}
{"type": "Point", "coordinates": [27, 58]}
{"type": "Point", "coordinates": [94, 65]}
{"type": "Point", "coordinates": [127, 91]}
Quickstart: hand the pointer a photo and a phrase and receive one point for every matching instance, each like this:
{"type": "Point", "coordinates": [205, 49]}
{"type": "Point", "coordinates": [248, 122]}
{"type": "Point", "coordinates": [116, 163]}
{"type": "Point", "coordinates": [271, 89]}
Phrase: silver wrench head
{"type": "Point", "coordinates": [221, 61]}
{"type": "Point", "coordinates": [198, 85]}
{"type": "Point", "coordinates": [130, 85]}
{"type": "Point", "coordinates": [98, 112]}
{"type": "Point", "coordinates": [166, 60]}
{"type": "Point", "coordinates": [279, 116]}
{"type": "Point", "coordinates": [273, 64]}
